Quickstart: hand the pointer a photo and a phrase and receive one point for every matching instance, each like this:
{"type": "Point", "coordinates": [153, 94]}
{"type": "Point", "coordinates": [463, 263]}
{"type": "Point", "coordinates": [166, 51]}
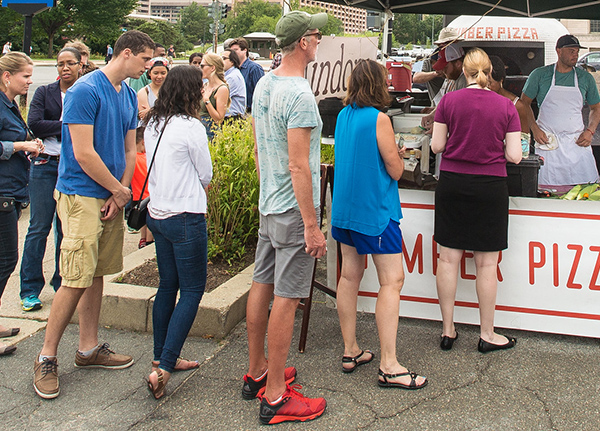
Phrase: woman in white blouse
{"type": "Point", "coordinates": [177, 183]}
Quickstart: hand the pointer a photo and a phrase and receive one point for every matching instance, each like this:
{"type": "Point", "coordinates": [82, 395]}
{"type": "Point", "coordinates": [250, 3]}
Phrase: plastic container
{"type": "Point", "coordinates": [399, 75]}
{"type": "Point", "coordinates": [523, 178]}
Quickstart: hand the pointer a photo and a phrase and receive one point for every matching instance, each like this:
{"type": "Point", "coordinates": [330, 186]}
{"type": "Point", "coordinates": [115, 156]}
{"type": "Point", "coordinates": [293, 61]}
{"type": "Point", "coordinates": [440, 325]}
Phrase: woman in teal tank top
{"type": "Point", "coordinates": [365, 219]}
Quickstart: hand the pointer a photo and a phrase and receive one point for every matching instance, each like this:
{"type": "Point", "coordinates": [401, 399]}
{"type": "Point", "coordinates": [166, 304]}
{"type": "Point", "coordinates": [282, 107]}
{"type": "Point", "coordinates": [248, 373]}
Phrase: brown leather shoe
{"type": "Point", "coordinates": [103, 357]}
{"type": "Point", "coordinates": [45, 379]}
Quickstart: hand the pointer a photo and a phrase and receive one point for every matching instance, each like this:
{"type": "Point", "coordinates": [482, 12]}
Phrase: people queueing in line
{"type": "Point", "coordinates": [16, 143]}
{"type": "Point", "coordinates": [287, 127]}
{"type": "Point", "coordinates": [236, 83]}
{"type": "Point", "coordinates": [561, 89]}
{"type": "Point", "coordinates": [138, 83]}
{"type": "Point", "coordinates": [96, 165]}
{"type": "Point", "coordinates": [45, 120]}
{"type": "Point", "coordinates": [251, 71]}
{"type": "Point", "coordinates": [216, 93]}
{"type": "Point", "coordinates": [471, 197]}
{"type": "Point", "coordinates": [369, 164]}
{"type": "Point", "coordinates": [87, 66]}
{"type": "Point", "coordinates": [180, 172]}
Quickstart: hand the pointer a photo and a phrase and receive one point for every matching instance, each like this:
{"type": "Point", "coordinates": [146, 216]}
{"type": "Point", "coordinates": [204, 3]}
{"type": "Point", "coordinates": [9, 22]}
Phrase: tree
{"type": "Point", "coordinates": [194, 23]}
{"type": "Point", "coordinates": [52, 21]}
{"type": "Point", "coordinates": [245, 14]}
{"type": "Point", "coordinates": [414, 28]}
{"type": "Point", "coordinates": [11, 29]}
{"type": "Point", "coordinates": [95, 22]}
{"type": "Point", "coordinates": [265, 23]}
{"type": "Point", "coordinates": [334, 25]}
{"type": "Point", "coordinates": [165, 33]}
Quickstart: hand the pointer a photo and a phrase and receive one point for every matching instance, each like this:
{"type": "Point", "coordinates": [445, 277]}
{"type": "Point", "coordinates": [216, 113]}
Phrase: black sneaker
{"type": "Point", "coordinates": [252, 387]}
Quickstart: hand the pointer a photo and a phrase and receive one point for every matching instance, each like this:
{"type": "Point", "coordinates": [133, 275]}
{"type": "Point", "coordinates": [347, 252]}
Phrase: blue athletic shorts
{"type": "Point", "coordinates": [388, 242]}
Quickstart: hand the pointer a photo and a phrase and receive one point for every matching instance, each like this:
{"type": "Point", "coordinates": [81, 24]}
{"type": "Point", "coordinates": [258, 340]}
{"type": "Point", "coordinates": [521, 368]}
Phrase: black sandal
{"type": "Point", "coordinates": [385, 383]}
{"type": "Point", "coordinates": [355, 360]}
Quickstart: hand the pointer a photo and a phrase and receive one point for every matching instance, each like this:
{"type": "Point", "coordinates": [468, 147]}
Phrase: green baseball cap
{"type": "Point", "coordinates": [293, 25]}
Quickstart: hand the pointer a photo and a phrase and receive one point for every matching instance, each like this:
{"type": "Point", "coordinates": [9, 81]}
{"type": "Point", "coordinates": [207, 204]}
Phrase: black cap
{"type": "Point", "coordinates": [568, 41]}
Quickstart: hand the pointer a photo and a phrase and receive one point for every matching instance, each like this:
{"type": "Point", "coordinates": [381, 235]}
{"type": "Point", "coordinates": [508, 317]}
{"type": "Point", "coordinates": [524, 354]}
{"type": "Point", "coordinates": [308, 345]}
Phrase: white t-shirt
{"type": "Point", "coordinates": [51, 143]}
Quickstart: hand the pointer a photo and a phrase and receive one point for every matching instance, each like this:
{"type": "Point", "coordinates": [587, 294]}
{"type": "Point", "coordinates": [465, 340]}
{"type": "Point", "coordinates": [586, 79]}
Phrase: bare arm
{"type": "Point", "coordinates": [111, 208]}
{"type": "Point", "coordinates": [82, 136]}
{"type": "Point", "coordinates": [143, 106]}
{"type": "Point", "coordinates": [424, 77]}
{"type": "Point", "coordinates": [512, 147]}
{"type": "Point", "coordinates": [439, 138]}
{"type": "Point", "coordinates": [522, 110]}
{"type": "Point", "coordinates": [299, 149]}
{"type": "Point", "coordinates": [217, 113]}
{"type": "Point", "coordinates": [386, 143]}
{"type": "Point", "coordinates": [538, 134]}
{"type": "Point", "coordinates": [255, 150]}
{"type": "Point", "coordinates": [585, 139]}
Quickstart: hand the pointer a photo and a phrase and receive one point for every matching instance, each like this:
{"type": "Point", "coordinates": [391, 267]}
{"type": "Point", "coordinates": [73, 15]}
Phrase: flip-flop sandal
{"type": "Point", "coordinates": [159, 390]}
{"type": "Point", "coordinates": [385, 383]}
{"type": "Point", "coordinates": [10, 332]}
{"type": "Point", "coordinates": [178, 365]}
{"type": "Point", "coordinates": [355, 360]}
{"type": "Point", "coordinates": [7, 350]}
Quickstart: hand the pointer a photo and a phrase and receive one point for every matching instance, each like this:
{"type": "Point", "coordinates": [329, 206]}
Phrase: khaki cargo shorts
{"type": "Point", "coordinates": [90, 247]}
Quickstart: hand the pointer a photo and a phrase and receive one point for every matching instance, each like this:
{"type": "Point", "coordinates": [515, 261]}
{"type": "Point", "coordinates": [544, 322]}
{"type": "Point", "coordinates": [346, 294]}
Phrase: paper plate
{"type": "Point", "coordinates": [551, 145]}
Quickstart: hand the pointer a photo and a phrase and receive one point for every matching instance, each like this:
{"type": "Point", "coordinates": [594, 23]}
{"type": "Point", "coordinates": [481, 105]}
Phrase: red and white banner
{"type": "Point", "coordinates": [548, 278]}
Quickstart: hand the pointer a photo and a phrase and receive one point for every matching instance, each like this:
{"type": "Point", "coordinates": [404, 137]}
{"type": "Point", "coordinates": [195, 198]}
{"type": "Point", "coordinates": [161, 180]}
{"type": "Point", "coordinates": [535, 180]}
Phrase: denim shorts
{"type": "Point", "coordinates": [90, 247]}
{"type": "Point", "coordinates": [388, 242]}
{"type": "Point", "coordinates": [280, 256]}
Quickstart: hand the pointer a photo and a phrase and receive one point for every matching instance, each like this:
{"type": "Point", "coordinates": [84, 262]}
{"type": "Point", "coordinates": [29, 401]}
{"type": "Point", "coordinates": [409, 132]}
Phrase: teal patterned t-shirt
{"type": "Point", "coordinates": [281, 103]}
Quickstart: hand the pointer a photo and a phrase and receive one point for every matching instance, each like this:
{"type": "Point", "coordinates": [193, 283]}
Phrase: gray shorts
{"type": "Point", "coordinates": [280, 256]}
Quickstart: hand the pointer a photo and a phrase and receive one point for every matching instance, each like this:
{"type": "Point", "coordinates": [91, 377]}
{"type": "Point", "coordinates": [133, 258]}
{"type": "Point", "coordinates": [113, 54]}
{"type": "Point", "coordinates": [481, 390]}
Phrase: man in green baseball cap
{"type": "Point", "coordinates": [287, 130]}
{"type": "Point", "coordinates": [292, 26]}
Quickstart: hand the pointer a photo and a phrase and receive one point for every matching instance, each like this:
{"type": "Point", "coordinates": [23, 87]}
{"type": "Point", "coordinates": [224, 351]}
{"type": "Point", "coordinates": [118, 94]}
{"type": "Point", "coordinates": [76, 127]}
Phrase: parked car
{"type": "Point", "coordinates": [590, 59]}
{"type": "Point", "coordinates": [253, 55]}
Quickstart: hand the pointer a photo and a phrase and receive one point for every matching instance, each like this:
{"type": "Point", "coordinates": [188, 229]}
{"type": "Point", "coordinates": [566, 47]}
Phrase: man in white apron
{"type": "Point", "coordinates": [561, 90]}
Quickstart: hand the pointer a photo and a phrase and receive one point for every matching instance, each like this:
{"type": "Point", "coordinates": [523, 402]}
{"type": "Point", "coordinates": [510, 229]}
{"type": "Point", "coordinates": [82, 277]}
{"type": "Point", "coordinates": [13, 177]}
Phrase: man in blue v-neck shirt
{"type": "Point", "coordinates": [96, 165]}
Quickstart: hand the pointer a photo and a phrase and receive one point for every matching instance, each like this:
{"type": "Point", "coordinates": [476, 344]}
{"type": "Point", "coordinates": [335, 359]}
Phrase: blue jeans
{"type": "Point", "coordinates": [181, 254]}
{"type": "Point", "coordinates": [9, 244]}
{"type": "Point", "coordinates": [42, 181]}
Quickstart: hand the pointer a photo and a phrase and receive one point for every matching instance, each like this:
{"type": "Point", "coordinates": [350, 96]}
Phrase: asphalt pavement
{"type": "Point", "coordinates": [548, 382]}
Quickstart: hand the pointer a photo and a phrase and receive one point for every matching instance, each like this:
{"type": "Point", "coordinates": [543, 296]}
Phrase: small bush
{"type": "Point", "coordinates": [233, 193]}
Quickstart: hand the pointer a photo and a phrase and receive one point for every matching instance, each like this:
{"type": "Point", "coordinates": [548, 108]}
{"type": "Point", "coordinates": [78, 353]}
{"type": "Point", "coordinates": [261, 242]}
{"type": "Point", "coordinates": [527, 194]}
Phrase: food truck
{"type": "Point", "coordinates": [522, 43]}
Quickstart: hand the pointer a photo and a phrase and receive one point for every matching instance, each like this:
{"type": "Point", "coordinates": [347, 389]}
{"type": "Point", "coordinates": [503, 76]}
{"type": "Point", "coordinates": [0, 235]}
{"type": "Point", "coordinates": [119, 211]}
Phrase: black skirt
{"type": "Point", "coordinates": [471, 212]}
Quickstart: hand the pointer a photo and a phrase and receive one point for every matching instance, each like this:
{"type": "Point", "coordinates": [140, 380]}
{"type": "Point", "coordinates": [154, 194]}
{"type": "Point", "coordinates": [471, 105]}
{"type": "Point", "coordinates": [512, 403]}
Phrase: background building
{"type": "Point", "coordinates": [587, 31]}
{"type": "Point", "coordinates": [354, 19]}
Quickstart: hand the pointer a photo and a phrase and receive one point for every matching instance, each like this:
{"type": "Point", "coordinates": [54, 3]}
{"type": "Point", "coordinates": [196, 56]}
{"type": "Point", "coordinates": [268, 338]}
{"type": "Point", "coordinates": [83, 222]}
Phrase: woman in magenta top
{"type": "Point", "coordinates": [477, 131]}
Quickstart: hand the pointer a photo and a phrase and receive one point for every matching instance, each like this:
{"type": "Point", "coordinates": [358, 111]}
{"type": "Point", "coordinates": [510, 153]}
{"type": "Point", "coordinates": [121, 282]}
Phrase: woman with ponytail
{"type": "Point", "coordinates": [477, 131]}
{"type": "Point", "coordinates": [216, 93]}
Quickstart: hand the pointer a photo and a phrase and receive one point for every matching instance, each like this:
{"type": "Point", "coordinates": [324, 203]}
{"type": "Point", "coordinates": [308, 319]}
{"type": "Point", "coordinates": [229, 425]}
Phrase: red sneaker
{"type": "Point", "coordinates": [255, 388]}
{"type": "Point", "coordinates": [292, 407]}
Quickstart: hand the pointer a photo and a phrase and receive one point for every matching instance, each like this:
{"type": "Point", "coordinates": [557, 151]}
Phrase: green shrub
{"type": "Point", "coordinates": [232, 218]}
{"type": "Point", "coordinates": [233, 193]}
